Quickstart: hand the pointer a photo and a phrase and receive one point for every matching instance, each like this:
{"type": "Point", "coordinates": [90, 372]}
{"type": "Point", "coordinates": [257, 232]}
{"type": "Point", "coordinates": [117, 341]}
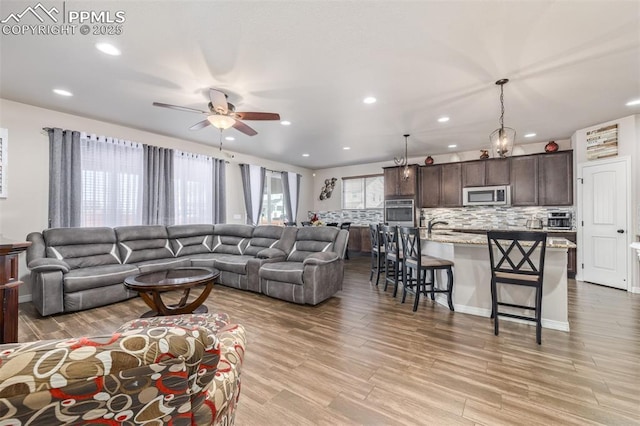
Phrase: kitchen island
{"type": "Point", "coordinates": [472, 276]}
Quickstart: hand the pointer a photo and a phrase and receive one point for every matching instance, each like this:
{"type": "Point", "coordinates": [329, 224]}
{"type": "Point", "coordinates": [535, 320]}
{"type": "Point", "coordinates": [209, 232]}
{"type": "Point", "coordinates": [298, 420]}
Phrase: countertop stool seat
{"type": "Point", "coordinates": [419, 270]}
{"type": "Point", "coordinates": [515, 263]}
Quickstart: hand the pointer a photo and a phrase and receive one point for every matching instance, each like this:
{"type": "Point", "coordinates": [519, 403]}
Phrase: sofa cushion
{"type": "Point", "coordinates": [162, 264]}
{"type": "Point", "coordinates": [97, 276]}
{"type": "Point", "coordinates": [233, 263]}
{"type": "Point", "coordinates": [263, 237]}
{"type": "Point", "coordinates": [190, 239]}
{"type": "Point", "coordinates": [82, 247]}
{"type": "Point", "coordinates": [231, 239]}
{"type": "Point", "coordinates": [206, 260]}
{"type": "Point", "coordinates": [313, 240]}
{"type": "Point", "coordinates": [143, 243]}
{"type": "Point", "coordinates": [288, 272]}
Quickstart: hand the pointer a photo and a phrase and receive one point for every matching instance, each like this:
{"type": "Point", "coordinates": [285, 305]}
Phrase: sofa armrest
{"type": "Point", "coordinates": [321, 258]}
{"type": "Point", "coordinates": [271, 253]}
{"type": "Point", "coordinates": [47, 264]}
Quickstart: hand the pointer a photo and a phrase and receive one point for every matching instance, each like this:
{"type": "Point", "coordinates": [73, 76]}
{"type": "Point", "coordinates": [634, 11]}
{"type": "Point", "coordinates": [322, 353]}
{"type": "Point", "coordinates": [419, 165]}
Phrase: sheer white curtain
{"type": "Point", "coordinates": [193, 181]}
{"type": "Point", "coordinates": [112, 172]}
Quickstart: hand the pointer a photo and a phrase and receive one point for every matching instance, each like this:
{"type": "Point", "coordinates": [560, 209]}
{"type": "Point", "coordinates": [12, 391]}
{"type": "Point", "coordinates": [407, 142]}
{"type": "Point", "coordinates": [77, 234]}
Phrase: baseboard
{"type": "Point", "coordinates": [635, 290]}
{"type": "Point", "coordinates": [550, 324]}
{"type": "Point", "coordinates": [24, 298]}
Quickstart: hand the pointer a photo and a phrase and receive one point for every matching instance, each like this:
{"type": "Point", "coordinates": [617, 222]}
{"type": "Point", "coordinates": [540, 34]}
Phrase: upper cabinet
{"type": "Point", "coordinates": [524, 180]}
{"type": "Point", "coordinates": [395, 186]}
{"type": "Point", "coordinates": [451, 188]}
{"type": "Point", "coordinates": [430, 182]}
{"type": "Point", "coordinates": [555, 179]}
{"type": "Point", "coordinates": [486, 172]}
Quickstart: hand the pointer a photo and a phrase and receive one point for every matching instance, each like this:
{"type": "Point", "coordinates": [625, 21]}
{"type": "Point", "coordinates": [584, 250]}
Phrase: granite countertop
{"type": "Point", "coordinates": [510, 228]}
{"type": "Point", "coordinates": [442, 236]}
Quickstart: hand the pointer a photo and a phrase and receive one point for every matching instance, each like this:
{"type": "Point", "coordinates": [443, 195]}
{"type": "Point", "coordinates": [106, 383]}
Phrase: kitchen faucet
{"type": "Point", "coordinates": [431, 224]}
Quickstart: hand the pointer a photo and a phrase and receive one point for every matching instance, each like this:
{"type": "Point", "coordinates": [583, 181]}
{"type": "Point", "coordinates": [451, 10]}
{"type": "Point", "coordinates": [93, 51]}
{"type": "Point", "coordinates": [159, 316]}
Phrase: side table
{"type": "Point", "coordinates": [9, 283]}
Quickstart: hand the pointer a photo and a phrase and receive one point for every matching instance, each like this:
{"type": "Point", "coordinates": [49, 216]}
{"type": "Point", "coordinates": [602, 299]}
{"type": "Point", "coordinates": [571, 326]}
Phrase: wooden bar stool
{"type": "Point", "coordinates": [417, 266]}
{"type": "Point", "coordinates": [377, 252]}
{"type": "Point", "coordinates": [513, 263]}
{"type": "Point", "coordinates": [393, 262]}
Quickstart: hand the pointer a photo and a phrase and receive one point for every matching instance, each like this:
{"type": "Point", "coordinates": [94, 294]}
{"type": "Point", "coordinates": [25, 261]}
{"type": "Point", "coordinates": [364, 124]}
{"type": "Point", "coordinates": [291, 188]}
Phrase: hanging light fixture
{"type": "Point", "coordinates": [222, 122]}
{"type": "Point", "coordinates": [502, 139]}
{"type": "Point", "coordinates": [404, 161]}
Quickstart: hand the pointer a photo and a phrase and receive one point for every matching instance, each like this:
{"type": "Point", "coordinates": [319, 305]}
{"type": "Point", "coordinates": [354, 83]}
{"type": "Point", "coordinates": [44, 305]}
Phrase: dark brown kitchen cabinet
{"type": "Point", "coordinates": [451, 188]}
{"type": "Point", "coordinates": [473, 173]}
{"type": "Point", "coordinates": [359, 239]}
{"type": "Point", "coordinates": [498, 172]}
{"type": "Point", "coordinates": [555, 179]}
{"type": "Point", "coordinates": [395, 186]}
{"type": "Point", "coordinates": [572, 254]}
{"type": "Point", "coordinates": [524, 180]}
{"type": "Point", "coordinates": [485, 172]}
{"type": "Point", "coordinates": [430, 182]}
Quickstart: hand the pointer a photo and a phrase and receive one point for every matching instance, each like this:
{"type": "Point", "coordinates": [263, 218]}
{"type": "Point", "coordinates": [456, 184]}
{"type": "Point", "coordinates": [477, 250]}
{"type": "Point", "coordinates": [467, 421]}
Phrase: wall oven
{"type": "Point", "coordinates": [487, 196]}
{"type": "Point", "coordinates": [399, 212]}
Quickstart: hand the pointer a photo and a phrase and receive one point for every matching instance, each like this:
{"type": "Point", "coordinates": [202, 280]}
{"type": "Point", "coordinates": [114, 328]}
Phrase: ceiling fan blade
{"type": "Point", "coordinates": [241, 127]}
{"type": "Point", "coordinates": [218, 100]}
{"type": "Point", "coordinates": [258, 116]}
{"type": "Point", "coordinates": [200, 125]}
{"type": "Point", "coordinates": [179, 108]}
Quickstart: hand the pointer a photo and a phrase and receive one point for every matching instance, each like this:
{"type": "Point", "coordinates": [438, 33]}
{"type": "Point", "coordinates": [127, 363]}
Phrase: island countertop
{"type": "Point", "coordinates": [454, 237]}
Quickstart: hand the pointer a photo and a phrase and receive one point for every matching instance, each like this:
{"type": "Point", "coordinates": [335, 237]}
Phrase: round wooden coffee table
{"type": "Point", "coordinates": [151, 285]}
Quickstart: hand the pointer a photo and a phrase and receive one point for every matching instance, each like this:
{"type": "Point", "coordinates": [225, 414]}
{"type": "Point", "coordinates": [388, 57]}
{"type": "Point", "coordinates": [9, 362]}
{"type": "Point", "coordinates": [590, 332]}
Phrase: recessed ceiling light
{"type": "Point", "coordinates": [369, 100]}
{"type": "Point", "coordinates": [230, 138]}
{"type": "Point", "coordinates": [529, 135]}
{"type": "Point", "coordinates": [443, 119]}
{"type": "Point", "coordinates": [633, 102]}
{"type": "Point", "coordinates": [346, 148]}
{"type": "Point", "coordinates": [305, 155]}
{"type": "Point", "coordinates": [62, 92]}
{"type": "Point", "coordinates": [109, 49]}
{"type": "Point", "coordinates": [452, 146]}
{"type": "Point", "coordinates": [285, 123]}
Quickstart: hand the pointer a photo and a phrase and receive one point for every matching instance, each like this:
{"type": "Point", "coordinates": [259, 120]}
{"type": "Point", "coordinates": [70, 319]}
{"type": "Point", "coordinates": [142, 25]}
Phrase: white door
{"type": "Point", "coordinates": [604, 210]}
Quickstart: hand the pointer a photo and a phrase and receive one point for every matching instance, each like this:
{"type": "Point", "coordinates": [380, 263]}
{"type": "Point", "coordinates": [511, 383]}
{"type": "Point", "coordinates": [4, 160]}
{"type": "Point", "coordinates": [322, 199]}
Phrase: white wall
{"type": "Point", "coordinates": [335, 202]}
{"type": "Point", "coordinates": [26, 208]}
{"type": "Point", "coordinates": [628, 146]}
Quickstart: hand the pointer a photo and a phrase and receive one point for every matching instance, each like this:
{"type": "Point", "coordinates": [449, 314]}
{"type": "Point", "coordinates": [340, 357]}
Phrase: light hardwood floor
{"type": "Point", "coordinates": [363, 358]}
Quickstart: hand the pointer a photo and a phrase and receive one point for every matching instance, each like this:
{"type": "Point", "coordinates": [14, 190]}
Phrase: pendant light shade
{"type": "Point", "coordinates": [503, 138]}
{"type": "Point", "coordinates": [404, 161]}
{"type": "Point", "coordinates": [222, 122]}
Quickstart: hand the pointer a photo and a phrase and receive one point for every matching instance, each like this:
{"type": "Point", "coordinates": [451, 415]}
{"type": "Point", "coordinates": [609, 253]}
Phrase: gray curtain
{"type": "Point", "coordinates": [157, 194]}
{"type": "Point", "coordinates": [291, 194]}
{"type": "Point", "coordinates": [253, 185]}
{"type": "Point", "coordinates": [219, 191]}
{"type": "Point", "coordinates": [65, 178]}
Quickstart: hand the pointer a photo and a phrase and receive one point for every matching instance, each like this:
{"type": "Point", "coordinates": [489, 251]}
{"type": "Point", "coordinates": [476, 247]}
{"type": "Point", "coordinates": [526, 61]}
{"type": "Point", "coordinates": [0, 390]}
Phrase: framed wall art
{"type": "Point", "coordinates": [4, 160]}
{"type": "Point", "coordinates": [602, 142]}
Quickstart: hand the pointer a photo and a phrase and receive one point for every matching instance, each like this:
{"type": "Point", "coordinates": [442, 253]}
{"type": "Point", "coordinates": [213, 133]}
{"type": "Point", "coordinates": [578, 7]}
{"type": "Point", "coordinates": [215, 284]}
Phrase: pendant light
{"type": "Point", "coordinates": [502, 139]}
{"type": "Point", "coordinates": [404, 161]}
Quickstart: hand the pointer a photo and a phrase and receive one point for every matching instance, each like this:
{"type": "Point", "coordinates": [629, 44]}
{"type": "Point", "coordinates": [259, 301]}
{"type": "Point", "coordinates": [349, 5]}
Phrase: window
{"type": "Point", "coordinates": [192, 183]}
{"type": "Point", "coordinates": [273, 200]}
{"type": "Point", "coordinates": [111, 182]}
{"type": "Point", "coordinates": [363, 192]}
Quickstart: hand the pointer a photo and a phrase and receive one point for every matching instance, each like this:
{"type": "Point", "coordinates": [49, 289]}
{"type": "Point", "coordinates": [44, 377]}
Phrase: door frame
{"type": "Point", "coordinates": [579, 215]}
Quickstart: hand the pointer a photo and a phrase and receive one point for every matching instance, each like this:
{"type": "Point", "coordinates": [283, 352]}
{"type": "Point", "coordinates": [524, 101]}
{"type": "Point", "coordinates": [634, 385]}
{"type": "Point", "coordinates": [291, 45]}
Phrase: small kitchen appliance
{"type": "Point", "coordinates": [559, 220]}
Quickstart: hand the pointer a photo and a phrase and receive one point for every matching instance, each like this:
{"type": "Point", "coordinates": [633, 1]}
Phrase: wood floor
{"type": "Point", "coordinates": [364, 358]}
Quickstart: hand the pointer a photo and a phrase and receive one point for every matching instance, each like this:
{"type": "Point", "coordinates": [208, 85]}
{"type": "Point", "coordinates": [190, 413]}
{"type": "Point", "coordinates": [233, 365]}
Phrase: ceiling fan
{"type": "Point", "coordinates": [223, 114]}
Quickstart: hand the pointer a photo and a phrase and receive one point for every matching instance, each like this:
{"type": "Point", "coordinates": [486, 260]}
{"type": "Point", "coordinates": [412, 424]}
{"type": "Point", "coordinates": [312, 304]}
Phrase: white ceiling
{"type": "Point", "coordinates": [571, 64]}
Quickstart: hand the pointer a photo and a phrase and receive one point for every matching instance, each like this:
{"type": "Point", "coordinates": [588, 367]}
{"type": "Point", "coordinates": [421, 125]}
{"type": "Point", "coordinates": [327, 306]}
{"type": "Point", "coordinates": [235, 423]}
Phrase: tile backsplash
{"type": "Point", "coordinates": [481, 217]}
{"type": "Point", "coordinates": [356, 217]}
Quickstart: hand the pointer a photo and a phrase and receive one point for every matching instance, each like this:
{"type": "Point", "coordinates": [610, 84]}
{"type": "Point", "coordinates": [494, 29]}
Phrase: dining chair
{"type": "Point", "coordinates": [517, 258]}
{"type": "Point", "coordinates": [419, 275]}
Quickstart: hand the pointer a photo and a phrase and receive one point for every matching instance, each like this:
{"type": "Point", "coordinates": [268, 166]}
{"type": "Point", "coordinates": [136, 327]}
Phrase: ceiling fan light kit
{"type": "Point", "coordinates": [222, 122]}
{"type": "Point", "coordinates": [502, 139]}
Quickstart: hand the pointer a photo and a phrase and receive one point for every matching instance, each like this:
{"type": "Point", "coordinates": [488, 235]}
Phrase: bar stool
{"type": "Point", "coordinates": [515, 264]}
{"type": "Point", "coordinates": [290, 224]}
{"type": "Point", "coordinates": [416, 267]}
{"type": "Point", "coordinates": [377, 252]}
{"type": "Point", "coordinates": [393, 262]}
{"type": "Point", "coordinates": [346, 226]}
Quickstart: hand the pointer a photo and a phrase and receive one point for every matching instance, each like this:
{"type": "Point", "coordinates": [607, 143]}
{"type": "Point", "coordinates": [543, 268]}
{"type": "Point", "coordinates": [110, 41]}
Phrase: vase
{"type": "Point", "coordinates": [428, 161]}
{"type": "Point", "coordinates": [552, 146]}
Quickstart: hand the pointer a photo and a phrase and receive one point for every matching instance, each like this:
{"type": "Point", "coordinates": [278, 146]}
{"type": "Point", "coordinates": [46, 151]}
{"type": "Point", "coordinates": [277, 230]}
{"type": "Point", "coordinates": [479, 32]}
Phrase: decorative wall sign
{"type": "Point", "coordinates": [4, 160]}
{"type": "Point", "coordinates": [602, 142]}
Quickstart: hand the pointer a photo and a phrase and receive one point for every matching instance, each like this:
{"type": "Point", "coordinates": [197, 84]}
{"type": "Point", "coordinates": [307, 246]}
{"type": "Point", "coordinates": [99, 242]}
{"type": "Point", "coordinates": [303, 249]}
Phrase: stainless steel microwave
{"type": "Point", "coordinates": [487, 196]}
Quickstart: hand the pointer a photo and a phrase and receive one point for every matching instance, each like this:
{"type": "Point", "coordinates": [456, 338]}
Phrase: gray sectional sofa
{"type": "Point", "coordinates": [80, 268]}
